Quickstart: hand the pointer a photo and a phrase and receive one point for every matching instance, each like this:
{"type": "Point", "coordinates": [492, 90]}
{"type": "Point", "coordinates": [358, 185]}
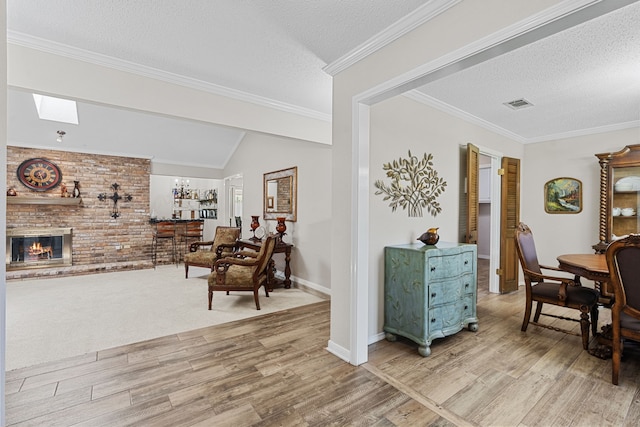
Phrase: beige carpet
{"type": "Point", "coordinates": [50, 319]}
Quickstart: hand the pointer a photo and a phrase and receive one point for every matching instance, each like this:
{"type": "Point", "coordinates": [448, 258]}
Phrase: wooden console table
{"type": "Point", "coordinates": [280, 248]}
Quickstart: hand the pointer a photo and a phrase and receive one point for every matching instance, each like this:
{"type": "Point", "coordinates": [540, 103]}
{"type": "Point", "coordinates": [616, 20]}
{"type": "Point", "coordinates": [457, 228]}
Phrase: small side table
{"type": "Point", "coordinates": [281, 248]}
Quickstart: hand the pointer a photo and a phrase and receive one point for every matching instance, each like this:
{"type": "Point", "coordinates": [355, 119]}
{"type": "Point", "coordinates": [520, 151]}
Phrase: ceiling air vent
{"type": "Point", "coordinates": [518, 104]}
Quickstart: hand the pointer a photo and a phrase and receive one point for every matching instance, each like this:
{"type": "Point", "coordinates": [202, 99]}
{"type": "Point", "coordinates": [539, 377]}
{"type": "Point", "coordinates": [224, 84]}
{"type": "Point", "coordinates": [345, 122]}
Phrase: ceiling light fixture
{"type": "Point", "coordinates": [60, 133]}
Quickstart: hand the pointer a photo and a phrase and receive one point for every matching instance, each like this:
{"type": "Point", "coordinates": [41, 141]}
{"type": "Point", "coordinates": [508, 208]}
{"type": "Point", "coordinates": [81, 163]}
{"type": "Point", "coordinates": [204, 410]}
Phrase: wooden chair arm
{"type": "Point", "coordinates": [548, 267]}
{"type": "Point", "coordinates": [562, 282]}
{"type": "Point", "coordinates": [220, 248]}
{"type": "Point", "coordinates": [246, 254]}
{"type": "Point", "coordinates": [247, 262]}
{"type": "Point", "coordinates": [193, 247]}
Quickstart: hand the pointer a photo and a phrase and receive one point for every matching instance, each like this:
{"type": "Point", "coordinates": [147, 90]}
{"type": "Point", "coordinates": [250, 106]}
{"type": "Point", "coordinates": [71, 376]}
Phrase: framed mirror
{"type": "Point", "coordinates": [280, 194]}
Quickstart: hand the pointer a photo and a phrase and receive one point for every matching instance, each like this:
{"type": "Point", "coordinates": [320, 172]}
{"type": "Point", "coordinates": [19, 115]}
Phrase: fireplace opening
{"type": "Point", "coordinates": [38, 248]}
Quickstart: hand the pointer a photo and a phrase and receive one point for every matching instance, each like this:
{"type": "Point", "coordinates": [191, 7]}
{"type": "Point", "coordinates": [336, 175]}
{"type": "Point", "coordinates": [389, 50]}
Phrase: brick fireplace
{"type": "Point", "coordinates": [100, 242]}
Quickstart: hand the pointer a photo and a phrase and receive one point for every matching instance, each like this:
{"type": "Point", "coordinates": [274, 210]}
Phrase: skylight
{"type": "Point", "coordinates": [56, 109]}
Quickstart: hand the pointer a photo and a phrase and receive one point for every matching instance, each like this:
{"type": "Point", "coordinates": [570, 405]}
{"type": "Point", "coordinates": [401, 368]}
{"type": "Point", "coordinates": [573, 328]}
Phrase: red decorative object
{"type": "Point", "coordinates": [281, 227]}
{"type": "Point", "coordinates": [255, 223]}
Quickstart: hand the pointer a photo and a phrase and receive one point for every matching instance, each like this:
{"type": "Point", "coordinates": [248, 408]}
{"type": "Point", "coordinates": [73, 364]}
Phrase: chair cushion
{"type": "Point", "coordinates": [575, 294]}
{"type": "Point", "coordinates": [628, 322]}
{"type": "Point", "coordinates": [236, 276]}
{"type": "Point", "coordinates": [200, 258]}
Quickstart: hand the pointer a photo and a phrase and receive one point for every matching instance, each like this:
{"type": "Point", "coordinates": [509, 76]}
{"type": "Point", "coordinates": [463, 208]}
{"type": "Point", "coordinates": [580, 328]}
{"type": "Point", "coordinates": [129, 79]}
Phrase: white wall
{"type": "Point", "coordinates": [556, 234]}
{"type": "Point", "coordinates": [259, 154]}
{"type": "Point", "coordinates": [399, 125]}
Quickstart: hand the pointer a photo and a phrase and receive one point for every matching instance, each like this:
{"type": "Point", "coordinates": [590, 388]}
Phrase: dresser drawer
{"type": "Point", "coordinates": [440, 293]}
{"type": "Point", "coordinates": [445, 266]}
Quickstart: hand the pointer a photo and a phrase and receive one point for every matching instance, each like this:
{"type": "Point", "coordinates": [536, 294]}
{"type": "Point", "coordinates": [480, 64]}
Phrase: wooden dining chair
{"type": "Point", "coordinates": [553, 289]}
{"type": "Point", "coordinates": [623, 260]}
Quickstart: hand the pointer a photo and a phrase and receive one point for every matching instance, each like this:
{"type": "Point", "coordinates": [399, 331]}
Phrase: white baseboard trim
{"type": "Point", "coordinates": [302, 284]}
{"type": "Point", "coordinates": [377, 337]}
{"type": "Point", "coordinates": [339, 351]}
{"type": "Point", "coordinates": [484, 256]}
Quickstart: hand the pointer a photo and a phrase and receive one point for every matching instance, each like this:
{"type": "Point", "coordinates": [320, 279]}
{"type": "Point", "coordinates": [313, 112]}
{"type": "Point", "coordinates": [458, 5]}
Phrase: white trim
{"type": "Point", "coordinates": [339, 351]}
{"type": "Point", "coordinates": [456, 112]}
{"type": "Point", "coordinates": [360, 234]}
{"type": "Point", "coordinates": [313, 286]}
{"type": "Point", "coordinates": [442, 106]}
{"type": "Point", "coordinates": [71, 52]}
{"type": "Point", "coordinates": [423, 14]}
{"type": "Point", "coordinates": [583, 132]}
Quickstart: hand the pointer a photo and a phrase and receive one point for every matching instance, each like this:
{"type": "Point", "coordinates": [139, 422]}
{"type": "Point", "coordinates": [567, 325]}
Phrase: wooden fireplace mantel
{"type": "Point", "coordinates": [66, 201]}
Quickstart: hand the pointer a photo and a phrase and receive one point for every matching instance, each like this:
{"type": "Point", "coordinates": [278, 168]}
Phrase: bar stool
{"type": "Point", "coordinates": [164, 230]}
{"type": "Point", "coordinates": [192, 230]}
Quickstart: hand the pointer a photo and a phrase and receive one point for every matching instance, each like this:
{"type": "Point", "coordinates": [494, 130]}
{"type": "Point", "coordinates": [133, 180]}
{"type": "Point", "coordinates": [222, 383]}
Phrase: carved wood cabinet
{"type": "Point", "coordinates": [429, 291]}
{"type": "Point", "coordinates": [619, 195]}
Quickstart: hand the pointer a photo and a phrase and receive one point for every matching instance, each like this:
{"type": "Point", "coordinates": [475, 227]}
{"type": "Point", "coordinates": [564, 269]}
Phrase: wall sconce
{"type": "Point", "coordinates": [115, 213]}
{"type": "Point", "coordinates": [60, 133]}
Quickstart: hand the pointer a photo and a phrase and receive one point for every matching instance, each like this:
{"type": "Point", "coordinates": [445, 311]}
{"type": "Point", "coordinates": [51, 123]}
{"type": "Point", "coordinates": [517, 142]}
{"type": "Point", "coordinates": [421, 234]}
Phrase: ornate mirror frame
{"type": "Point", "coordinates": [280, 198]}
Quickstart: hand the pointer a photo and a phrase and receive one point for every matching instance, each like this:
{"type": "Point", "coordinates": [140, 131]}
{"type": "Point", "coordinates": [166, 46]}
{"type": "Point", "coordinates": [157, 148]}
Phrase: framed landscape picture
{"type": "Point", "coordinates": [563, 196]}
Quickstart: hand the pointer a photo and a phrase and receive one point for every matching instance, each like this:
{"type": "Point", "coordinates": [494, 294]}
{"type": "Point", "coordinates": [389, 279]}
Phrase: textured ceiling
{"type": "Point", "coordinates": [277, 49]}
{"type": "Point", "coordinates": [583, 80]}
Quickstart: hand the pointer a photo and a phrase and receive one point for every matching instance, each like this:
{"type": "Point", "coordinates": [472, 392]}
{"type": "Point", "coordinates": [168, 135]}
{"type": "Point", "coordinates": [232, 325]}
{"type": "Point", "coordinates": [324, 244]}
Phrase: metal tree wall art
{"type": "Point", "coordinates": [421, 187]}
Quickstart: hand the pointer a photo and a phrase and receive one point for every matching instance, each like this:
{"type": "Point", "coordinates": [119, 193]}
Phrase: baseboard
{"type": "Point", "coordinates": [309, 287]}
{"type": "Point", "coordinates": [377, 337]}
{"type": "Point", "coordinates": [484, 256]}
{"type": "Point", "coordinates": [339, 351]}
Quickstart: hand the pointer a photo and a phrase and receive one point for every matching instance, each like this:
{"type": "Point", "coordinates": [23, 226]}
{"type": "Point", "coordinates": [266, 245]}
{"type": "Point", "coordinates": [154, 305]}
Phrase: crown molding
{"type": "Point", "coordinates": [446, 108]}
{"type": "Point", "coordinates": [585, 132]}
{"type": "Point", "coordinates": [51, 47]}
{"type": "Point", "coordinates": [401, 27]}
{"type": "Point", "coordinates": [456, 112]}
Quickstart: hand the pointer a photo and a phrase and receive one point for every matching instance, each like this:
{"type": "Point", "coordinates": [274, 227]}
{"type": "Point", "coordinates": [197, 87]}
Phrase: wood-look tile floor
{"type": "Point", "coordinates": [275, 370]}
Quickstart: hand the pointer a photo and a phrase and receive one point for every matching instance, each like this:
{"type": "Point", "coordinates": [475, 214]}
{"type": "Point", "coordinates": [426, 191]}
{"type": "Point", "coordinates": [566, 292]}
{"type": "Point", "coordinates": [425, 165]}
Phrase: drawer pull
{"type": "Point", "coordinates": [466, 285]}
{"type": "Point", "coordinates": [433, 295]}
{"type": "Point", "coordinates": [466, 262]}
{"type": "Point", "coordinates": [433, 269]}
{"type": "Point", "coordinates": [466, 307]}
{"type": "Point", "coordinates": [433, 320]}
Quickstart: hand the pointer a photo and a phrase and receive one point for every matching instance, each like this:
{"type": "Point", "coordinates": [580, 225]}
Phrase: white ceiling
{"type": "Point", "coordinates": [277, 50]}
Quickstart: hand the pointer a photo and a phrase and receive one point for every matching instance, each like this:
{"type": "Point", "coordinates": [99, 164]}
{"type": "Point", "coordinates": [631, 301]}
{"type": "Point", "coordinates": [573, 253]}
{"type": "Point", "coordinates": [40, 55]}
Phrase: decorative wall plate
{"type": "Point", "coordinates": [39, 174]}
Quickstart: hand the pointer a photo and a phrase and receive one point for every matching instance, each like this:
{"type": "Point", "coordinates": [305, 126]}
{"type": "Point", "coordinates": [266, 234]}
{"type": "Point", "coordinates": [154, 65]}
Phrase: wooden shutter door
{"type": "Point", "coordinates": [509, 219]}
{"type": "Point", "coordinates": [473, 162]}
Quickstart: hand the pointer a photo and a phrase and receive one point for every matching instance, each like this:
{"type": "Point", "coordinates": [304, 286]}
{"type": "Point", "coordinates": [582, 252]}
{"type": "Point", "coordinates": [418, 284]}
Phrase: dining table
{"type": "Point", "coordinates": [593, 267]}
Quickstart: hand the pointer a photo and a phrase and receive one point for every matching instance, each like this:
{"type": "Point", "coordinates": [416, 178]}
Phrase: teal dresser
{"type": "Point", "coordinates": [429, 291]}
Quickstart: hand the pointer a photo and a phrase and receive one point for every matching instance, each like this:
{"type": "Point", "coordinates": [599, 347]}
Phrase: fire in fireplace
{"type": "Point", "coordinates": [38, 247]}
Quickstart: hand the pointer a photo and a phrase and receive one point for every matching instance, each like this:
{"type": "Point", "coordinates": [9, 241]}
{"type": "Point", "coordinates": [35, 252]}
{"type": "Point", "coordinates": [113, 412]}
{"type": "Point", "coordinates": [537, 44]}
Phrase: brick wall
{"type": "Point", "coordinates": [96, 234]}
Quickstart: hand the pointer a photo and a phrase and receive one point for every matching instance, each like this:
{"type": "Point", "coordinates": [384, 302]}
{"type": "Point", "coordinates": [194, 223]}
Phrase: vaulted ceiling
{"type": "Point", "coordinates": [278, 52]}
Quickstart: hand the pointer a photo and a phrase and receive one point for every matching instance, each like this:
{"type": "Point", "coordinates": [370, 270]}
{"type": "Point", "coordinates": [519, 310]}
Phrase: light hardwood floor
{"type": "Point", "coordinates": [275, 370]}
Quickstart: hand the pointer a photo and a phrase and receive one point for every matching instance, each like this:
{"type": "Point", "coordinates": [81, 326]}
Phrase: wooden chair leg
{"type": "Point", "coordinates": [255, 297]}
{"type": "Point", "coordinates": [527, 316]}
{"type": "Point", "coordinates": [615, 361]}
{"type": "Point", "coordinates": [186, 270]}
{"type": "Point", "coordinates": [594, 320]}
{"type": "Point", "coordinates": [584, 327]}
{"type": "Point", "coordinates": [210, 297]}
{"type": "Point", "coordinates": [536, 317]}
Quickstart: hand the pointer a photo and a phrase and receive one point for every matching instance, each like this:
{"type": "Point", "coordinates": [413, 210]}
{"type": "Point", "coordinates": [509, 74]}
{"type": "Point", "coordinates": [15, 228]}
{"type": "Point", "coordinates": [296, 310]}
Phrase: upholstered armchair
{"type": "Point", "coordinates": [244, 272]}
{"type": "Point", "coordinates": [205, 254]}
